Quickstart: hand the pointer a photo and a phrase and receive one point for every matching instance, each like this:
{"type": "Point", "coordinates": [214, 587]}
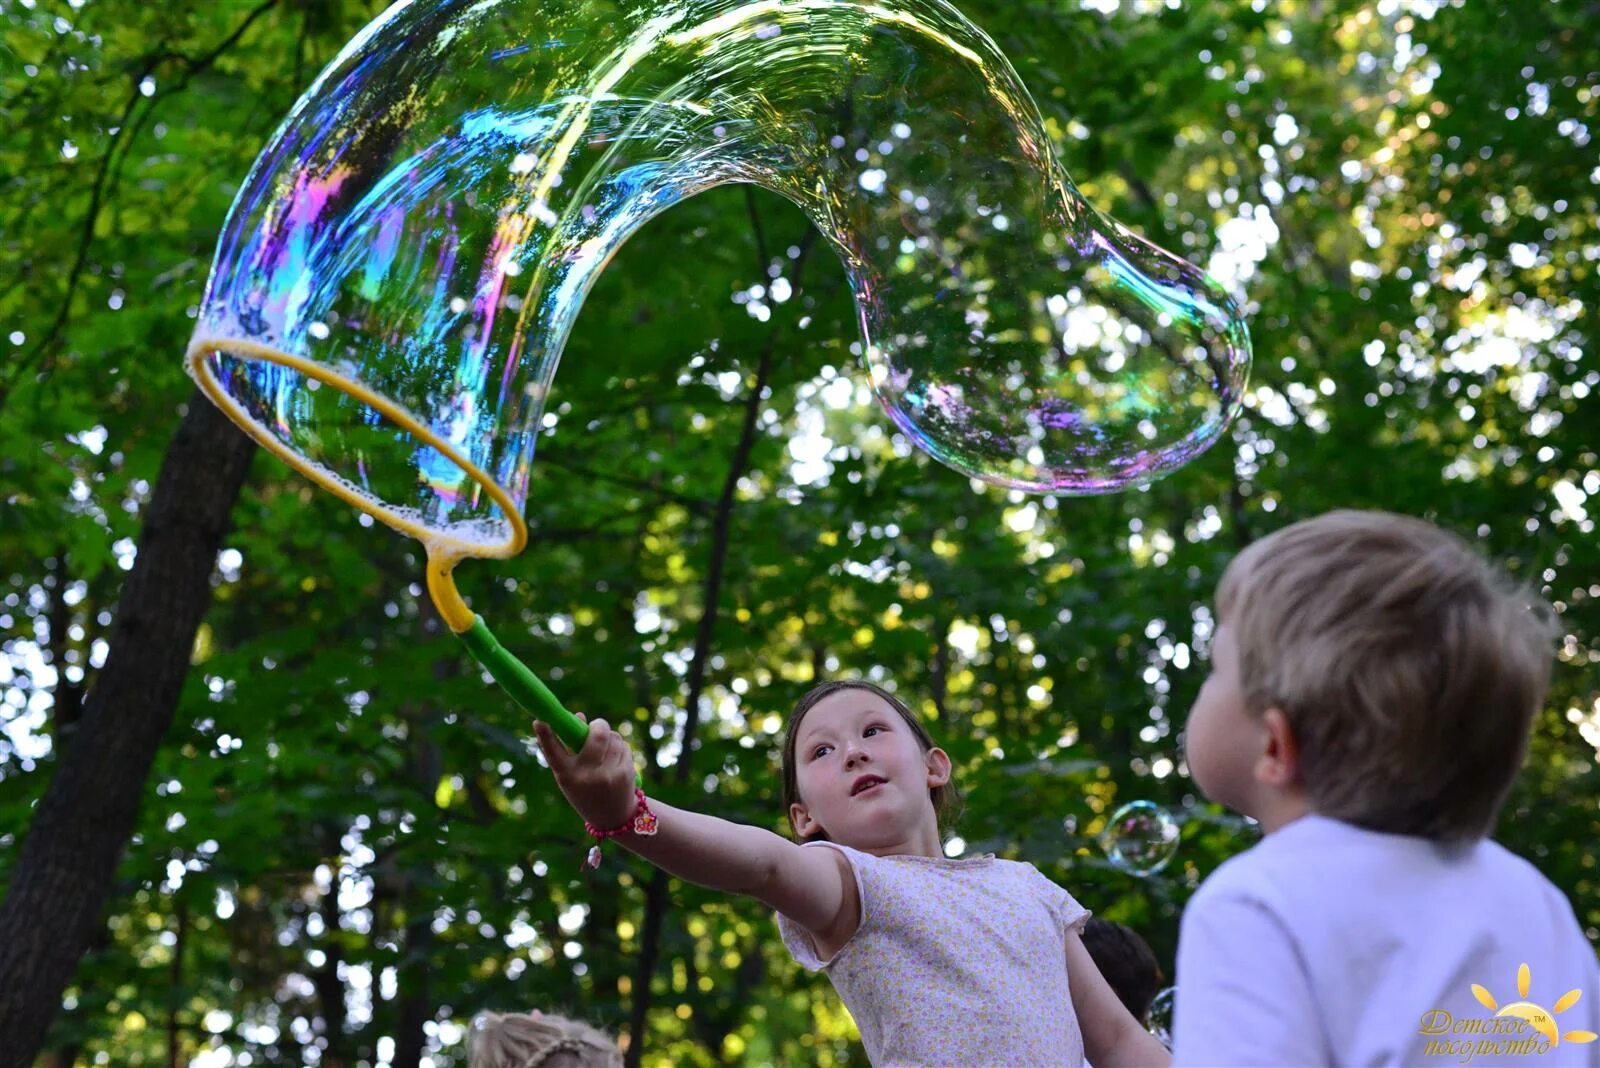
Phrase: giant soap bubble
{"type": "Point", "coordinates": [402, 267]}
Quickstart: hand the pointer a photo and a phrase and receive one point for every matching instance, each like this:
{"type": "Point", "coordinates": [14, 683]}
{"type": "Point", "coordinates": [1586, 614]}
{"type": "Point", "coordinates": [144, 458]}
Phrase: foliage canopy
{"type": "Point", "coordinates": [346, 847]}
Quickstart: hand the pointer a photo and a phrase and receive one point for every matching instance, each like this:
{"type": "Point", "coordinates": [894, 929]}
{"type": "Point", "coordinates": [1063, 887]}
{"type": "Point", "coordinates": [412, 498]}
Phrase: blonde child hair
{"type": "Point", "coordinates": [1409, 667]}
{"type": "Point", "coordinates": [538, 1040]}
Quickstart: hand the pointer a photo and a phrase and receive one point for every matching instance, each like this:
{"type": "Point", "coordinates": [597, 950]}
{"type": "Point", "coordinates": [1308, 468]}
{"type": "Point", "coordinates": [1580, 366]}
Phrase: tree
{"type": "Point", "coordinates": [343, 846]}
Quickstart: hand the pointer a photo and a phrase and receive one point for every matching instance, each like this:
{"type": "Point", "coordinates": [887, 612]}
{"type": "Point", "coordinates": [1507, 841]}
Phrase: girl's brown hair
{"type": "Point", "coordinates": [946, 799]}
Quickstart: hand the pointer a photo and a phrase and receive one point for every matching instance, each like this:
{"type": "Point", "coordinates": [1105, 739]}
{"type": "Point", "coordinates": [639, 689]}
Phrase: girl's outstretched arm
{"type": "Point", "coordinates": [813, 887]}
{"type": "Point", "coordinates": [1111, 1036]}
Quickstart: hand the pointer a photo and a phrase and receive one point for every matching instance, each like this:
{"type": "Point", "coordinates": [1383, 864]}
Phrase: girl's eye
{"type": "Point", "coordinates": [870, 731]}
{"type": "Point", "coordinates": [820, 751]}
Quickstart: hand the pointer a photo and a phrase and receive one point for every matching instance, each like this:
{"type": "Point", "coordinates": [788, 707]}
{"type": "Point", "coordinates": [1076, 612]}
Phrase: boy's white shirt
{"type": "Point", "coordinates": [1330, 944]}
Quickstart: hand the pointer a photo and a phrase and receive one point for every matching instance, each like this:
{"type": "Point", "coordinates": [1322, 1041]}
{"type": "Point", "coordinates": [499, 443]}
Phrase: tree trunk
{"type": "Point", "coordinates": [175, 1057]}
{"type": "Point", "coordinates": [330, 988]}
{"type": "Point", "coordinates": [416, 991]}
{"type": "Point", "coordinates": [655, 910]}
{"type": "Point", "coordinates": [63, 875]}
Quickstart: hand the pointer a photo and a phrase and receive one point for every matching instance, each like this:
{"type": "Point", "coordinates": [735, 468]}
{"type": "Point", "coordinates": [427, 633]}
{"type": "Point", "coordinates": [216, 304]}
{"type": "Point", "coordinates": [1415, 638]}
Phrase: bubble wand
{"type": "Point", "coordinates": [523, 686]}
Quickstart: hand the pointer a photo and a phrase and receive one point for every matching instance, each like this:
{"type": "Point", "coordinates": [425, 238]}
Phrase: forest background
{"type": "Point", "coordinates": [255, 806]}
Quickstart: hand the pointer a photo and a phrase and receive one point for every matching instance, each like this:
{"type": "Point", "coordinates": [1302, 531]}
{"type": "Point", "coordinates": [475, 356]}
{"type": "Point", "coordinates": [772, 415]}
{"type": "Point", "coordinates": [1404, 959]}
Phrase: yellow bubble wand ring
{"type": "Point", "coordinates": [524, 687]}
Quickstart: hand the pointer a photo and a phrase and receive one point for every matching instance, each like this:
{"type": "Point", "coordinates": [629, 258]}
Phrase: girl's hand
{"type": "Point", "coordinates": [598, 779]}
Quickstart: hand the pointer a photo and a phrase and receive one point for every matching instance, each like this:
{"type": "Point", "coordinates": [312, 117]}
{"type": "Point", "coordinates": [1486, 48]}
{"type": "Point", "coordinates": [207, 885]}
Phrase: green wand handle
{"type": "Point", "coordinates": [525, 688]}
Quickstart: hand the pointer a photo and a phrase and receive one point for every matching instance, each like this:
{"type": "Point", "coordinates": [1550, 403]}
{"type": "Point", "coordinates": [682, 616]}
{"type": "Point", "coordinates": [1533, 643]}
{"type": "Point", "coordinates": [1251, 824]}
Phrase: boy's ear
{"type": "Point", "coordinates": [804, 826]}
{"type": "Point", "coordinates": [1279, 763]}
{"type": "Point", "coordinates": [938, 767]}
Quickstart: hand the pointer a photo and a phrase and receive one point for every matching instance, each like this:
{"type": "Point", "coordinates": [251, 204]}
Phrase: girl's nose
{"type": "Point", "coordinates": [854, 755]}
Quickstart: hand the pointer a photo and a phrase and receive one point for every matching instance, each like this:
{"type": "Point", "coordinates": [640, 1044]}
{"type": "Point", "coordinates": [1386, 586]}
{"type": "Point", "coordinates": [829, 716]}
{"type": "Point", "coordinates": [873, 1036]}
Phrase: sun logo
{"type": "Point", "coordinates": [1536, 1016]}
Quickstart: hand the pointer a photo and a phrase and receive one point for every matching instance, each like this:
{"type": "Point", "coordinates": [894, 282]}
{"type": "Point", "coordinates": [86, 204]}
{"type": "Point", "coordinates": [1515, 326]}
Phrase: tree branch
{"type": "Point", "coordinates": [99, 193]}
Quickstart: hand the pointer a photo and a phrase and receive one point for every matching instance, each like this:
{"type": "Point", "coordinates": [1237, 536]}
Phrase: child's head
{"type": "Point", "coordinates": [538, 1040]}
{"type": "Point", "coordinates": [842, 738]}
{"type": "Point", "coordinates": [1125, 961]}
{"type": "Point", "coordinates": [1378, 666]}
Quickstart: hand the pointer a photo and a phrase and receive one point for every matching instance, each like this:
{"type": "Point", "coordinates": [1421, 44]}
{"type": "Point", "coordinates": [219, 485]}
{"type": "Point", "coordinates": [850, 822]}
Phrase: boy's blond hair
{"type": "Point", "coordinates": [1408, 666]}
{"type": "Point", "coordinates": [538, 1040]}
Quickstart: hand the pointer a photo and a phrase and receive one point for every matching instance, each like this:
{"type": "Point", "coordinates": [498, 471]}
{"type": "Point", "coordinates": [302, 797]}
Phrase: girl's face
{"type": "Point", "coordinates": [863, 776]}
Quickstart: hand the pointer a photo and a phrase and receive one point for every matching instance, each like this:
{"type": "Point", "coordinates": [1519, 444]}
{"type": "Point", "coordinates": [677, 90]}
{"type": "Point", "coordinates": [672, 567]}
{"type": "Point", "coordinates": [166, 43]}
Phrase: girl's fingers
{"type": "Point", "coordinates": [604, 749]}
{"type": "Point", "coordinates": [555, 754]}
{"type": "Point", "coordinates": [598, 743]}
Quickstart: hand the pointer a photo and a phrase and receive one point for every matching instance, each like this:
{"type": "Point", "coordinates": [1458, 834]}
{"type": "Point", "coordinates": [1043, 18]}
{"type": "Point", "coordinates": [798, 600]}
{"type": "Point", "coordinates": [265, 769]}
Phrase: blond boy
{"type": "Point", "coordinates": [1373, 685]}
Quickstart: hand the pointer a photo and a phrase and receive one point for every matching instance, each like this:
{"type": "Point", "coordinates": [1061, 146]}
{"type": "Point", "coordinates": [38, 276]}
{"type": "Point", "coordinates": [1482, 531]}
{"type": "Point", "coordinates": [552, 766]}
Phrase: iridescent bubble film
{"type": "Point", "coordinates": [426, 223]}
{"type": "Point", "coordinates": [1158, 1018]}
{"type": "Point", "coordinates": [1141, 838]}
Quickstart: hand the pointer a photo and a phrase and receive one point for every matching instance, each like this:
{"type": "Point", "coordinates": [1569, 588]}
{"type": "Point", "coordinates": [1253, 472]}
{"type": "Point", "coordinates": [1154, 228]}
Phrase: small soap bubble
{"type": "Point", "coordinates": [1070, 825]}
{"type": "Point", "coordinates": [1140, 838]}
{"type": "Point", "coordinates": [1158, 1018]}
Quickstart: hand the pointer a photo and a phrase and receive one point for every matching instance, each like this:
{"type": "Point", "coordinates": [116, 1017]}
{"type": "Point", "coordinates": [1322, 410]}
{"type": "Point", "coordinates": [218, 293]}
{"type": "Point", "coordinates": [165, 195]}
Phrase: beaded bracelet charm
{"type": "Point", "coordinates": [643, 821]}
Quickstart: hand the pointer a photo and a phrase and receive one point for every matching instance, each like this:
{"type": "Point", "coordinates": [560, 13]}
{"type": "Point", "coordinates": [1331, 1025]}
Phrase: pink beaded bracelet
{"type": "Point", "coordinates": [643, 821]}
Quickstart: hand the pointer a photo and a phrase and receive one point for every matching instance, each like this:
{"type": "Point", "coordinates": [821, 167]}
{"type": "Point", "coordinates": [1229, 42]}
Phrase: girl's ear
{"type": "Point", "coordinates": [804, 826]}
{"type": "Point", "coordinates": [938, 767]}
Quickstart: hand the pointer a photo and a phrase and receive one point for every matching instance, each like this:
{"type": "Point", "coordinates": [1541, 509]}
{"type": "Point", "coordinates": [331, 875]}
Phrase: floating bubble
{"type": "Point", "coordinates": [1140, 838]}
{"type": "Point", "coordinates": [1070, 826]}
{"type": "Point", "coordinates": [401, 269]}
{"type": "Point", "coordinates": [1158, 1018]}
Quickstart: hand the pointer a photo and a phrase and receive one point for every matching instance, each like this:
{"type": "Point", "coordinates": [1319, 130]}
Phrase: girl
{"type": "Point", "coordinates": [951, 962]}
